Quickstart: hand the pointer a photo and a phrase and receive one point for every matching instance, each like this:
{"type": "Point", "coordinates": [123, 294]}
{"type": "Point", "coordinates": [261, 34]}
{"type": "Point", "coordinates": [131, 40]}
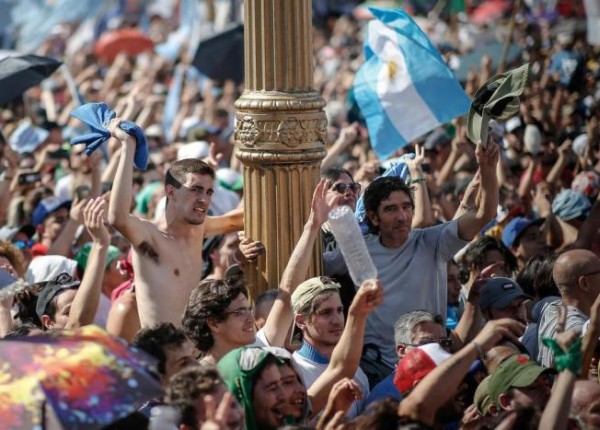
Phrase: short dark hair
{"type": "Point", "coordinates": [189, 385]}
{"type": "Point", "coordinates": [334, 173]}
{"type": "Point", "coordinates": [264, 302]}
{"type": "Point", "coordinates": [155, 340]}
{"type": "Point", "coordinates": [209, 300]}
{"type": "Point", "coordinates": [381, 189]}
{"type": "Point", "coordinates": [176, 173]}
{"type": "Point", "coordinates": [475, 253]}
{"type": "Point", "coordinates": [536, 277]}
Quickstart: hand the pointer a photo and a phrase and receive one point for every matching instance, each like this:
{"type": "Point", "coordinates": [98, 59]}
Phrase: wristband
{"type": "Point", "coordinates": [416, 181]}
{"type": "Point", "coordinates": [572, 359]}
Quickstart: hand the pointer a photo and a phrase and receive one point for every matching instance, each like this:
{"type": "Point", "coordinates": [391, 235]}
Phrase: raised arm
{"type": "Point", "coordinates": [345, 357]}
{"type": "Point", "coordinates": [120, 198]}
{"type": "Point", "coordinates": [472, 222]}
{"type": "Point", "coordinates": [226, 223]}
{"type": "Point", "coordinates": [422, 217]}
{"type": "Point", "coordinates": [85, 304]}
{"type": "Point", "coordinates": [441, 384]}
{"type": "Point", "coordinates": [281, 316]}
{"type": "Point", "coordinates": [62, 244]}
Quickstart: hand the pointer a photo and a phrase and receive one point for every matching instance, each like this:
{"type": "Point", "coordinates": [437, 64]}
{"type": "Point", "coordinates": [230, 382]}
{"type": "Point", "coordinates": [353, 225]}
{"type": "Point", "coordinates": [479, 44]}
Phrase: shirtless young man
{"type": "Point", "coordinates": [167, 254]}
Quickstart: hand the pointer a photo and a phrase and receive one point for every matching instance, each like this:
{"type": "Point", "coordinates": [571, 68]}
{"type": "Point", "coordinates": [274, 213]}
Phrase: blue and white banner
{"type": "Point", "coordinates": [404, 89]}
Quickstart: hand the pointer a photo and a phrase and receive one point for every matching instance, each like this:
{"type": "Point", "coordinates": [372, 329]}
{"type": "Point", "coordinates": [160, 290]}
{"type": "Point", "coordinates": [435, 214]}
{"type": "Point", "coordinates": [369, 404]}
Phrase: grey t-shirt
{"type": "Point", "coordinates": [547, 328]}
{"type": "Point", "coordinates": [413, 277]}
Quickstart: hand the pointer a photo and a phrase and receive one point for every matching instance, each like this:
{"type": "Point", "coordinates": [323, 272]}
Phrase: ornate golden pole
{"type": "Point", "coordinates": [280, 132]}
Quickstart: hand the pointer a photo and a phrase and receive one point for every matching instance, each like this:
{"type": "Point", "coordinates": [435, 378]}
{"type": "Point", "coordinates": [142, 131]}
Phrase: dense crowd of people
{"type": "Point", "coordinates": [486, 308]}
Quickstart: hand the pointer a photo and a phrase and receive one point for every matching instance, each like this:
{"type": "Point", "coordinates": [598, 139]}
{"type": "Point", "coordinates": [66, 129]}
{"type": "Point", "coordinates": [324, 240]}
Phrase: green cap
{"type": "Point", "coordinates": [482, 399]}
{"type": "Point", "coordinates": [497, 99]}
{"type": "Point", "coordinates": [84, 253]}
{"type": "Point", "coordinates": [517, 371]}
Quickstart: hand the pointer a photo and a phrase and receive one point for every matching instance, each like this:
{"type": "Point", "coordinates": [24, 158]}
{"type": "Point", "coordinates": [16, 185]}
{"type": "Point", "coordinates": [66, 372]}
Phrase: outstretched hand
{"type": "Point", "coordinates": [94, 218]}
{"type": "Point", "coordinates": [487, 158]}
{"type": "Point", "coordinates": [367, 298]}
{"type": "Point", "coordinates": [118, 133]}
{"type": "Point", "coordinates": [496, 330]}
{"type": "Point", "coordinates": [415, 164]}
{"type": "Point", "coordinates": [320, 206]}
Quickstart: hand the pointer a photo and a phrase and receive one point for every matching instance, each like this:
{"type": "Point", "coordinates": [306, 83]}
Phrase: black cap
{"type": "Point", "coordinates": [64, 281]}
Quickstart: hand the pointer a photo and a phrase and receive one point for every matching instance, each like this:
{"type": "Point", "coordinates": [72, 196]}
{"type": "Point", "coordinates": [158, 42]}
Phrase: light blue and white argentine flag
{"type": "Point", "coordinates": [404, 89]}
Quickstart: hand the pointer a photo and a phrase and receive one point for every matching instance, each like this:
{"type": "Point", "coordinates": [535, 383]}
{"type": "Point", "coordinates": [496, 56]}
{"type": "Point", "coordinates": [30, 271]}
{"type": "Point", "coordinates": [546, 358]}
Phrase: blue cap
{"type": "Point", "coordinates": [516, 227]}
{"type": "Point", "coordinates": [46, 207]}
{"type": "Point", "coordinates": [499, 293]}
{"type": "Point", "coordinates": [569, 204]}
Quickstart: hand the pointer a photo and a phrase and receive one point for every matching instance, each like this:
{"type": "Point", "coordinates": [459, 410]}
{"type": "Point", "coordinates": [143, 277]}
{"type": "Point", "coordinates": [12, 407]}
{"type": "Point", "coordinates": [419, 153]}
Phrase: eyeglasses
{"type": "Point", "coordinates": [241, 313]}
{"type": "Point", "coordinates": [444, 343]}
{"type": "Point", "coordinates": [341, 187]}
{"type": "Point", "coordinates": [23, 244]}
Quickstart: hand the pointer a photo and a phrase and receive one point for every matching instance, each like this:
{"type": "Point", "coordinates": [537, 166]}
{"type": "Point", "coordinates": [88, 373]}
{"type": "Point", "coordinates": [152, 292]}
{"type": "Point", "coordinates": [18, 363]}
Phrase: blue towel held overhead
{"type": "Point", "coordinates": [98, 116]}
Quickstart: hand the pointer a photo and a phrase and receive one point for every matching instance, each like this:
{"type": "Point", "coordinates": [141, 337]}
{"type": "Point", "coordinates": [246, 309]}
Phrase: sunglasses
{"type": "Point", "coordinates": [341, 188]}
{"type": "Point", "coordinates": [23, 244]}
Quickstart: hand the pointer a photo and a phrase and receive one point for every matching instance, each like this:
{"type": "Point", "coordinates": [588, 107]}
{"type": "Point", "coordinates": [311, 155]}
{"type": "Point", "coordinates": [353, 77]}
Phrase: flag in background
{"type": "Point", "coordinates": [404, 89]}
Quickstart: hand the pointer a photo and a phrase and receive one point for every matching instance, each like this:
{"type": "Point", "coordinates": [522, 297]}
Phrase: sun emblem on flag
{"type": "Point", "coordinates": [392, 67]}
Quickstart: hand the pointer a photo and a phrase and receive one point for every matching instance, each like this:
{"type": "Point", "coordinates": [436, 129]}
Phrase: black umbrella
{"type": "Point", "coordinates": [18, 74]}
{"type": "Point", "coordinates": [221, 57]}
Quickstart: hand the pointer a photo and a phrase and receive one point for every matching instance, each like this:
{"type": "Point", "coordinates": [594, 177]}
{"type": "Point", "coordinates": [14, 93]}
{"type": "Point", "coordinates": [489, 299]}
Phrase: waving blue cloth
{"type": "Point", "coordinates": [98, 116]}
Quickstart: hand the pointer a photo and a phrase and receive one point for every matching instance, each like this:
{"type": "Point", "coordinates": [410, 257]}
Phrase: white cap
{"type": "Point", "coordinates": [48, 267]}
{"type": "Point", "coordinates": [512, 124]}
{"type": "Point", "coordinates": [580, 144]}
{"type": "Point", "coordinates": [197, 150]}
{"type": "Point", "coordinates": [532, 139]}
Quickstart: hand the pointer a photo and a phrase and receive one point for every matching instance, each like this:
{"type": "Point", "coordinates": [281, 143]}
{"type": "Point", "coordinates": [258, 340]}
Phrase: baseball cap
{"type": "Point", "coordinates": [230, 179]}
{"type": "Point", "coordinates": [417, 364]}
{"type": "Point", "coordinates": [201, 132]}
{"type": "Point", "coordinates": [46, 207]}
{"type": "Point", "coordinates": [499, 292]}
{"type": "Point", "coordinates": [481, 398]}
{"type": "Point", "coordinates": [46, 268]}
{"type": "Point", "coordinates": [310, 289]}
{"type": "Point", "coordinates": [580, 144]}
{"type": "Point", "coordinates": [518, 371]}
{"type": "Point", "coordinates": [197, 150]}
{"type": "Point", "coordinates": [513, 230]}
{"type": "Point", "coordinates": [436, 139]}
{"type": "Point", "coordinates": [84, 253]}
{"type": "Point", "coordinates": [62, 282]}
{"type": "Point", "coordinates": [9, 232]}
{"type": "Point", "coordinates": [497, 99]}
{"type": "Point", "coordinates": [569, 205]}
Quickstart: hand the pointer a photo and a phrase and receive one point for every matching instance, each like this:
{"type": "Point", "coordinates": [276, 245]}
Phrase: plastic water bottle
{"type": "Point", "coordinates": [349, 238]}
{"type": "Point", "coordinates": [164, 417]}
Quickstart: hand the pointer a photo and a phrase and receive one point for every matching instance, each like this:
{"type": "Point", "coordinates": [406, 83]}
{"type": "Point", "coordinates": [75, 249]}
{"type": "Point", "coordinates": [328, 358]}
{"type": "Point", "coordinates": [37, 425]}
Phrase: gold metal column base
{"type": "Point", "coordinates": [280, 133]}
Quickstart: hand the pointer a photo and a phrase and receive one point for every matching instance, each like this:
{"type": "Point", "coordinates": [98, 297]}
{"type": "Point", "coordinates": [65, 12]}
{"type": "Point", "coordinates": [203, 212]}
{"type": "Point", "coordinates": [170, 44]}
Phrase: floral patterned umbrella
{"type": "Point", "coordinates": [81, 379]}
